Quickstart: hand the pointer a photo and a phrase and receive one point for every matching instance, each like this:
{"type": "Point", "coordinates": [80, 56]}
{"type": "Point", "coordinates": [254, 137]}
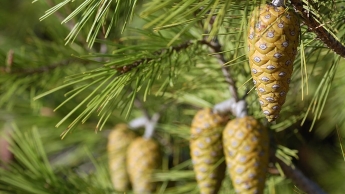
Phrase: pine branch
{"type": "Point", "coordinates": [234, 105]}
{"type": "Point", "coordinates": [216, 49]}
{"type": "Point", "coordinates": [113, 77]}
{"type": "Point", "coordinates": [299, 179]}
{"type": "Point", "coordinates": [319, 29]}
{"type": "Point", "coordinates": [136, 63]}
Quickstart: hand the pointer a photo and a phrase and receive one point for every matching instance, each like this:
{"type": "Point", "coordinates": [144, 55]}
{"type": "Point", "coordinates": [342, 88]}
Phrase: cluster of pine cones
{"type": "Point", "coordinates": [273, 37]}
{"type": "Point", "coordinates": [132, 160]}
{"type": "Point", "coordinates": [243, 141]}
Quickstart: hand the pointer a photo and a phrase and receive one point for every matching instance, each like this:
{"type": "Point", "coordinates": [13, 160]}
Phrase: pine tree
{"type": "Point", "coordinates": [72, 70]}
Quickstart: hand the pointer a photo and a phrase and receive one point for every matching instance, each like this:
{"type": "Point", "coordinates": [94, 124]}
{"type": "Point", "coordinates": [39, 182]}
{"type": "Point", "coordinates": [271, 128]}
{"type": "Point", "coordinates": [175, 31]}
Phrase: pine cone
{"type": "Point", "coordinates": [273, 38]}
{"type": "Point", "coordinates": [143, 156]}
{"type": "Point", "coordinates": [207, 150]}
{"type": "Point", "coordinates": [246, 153]}
{"type": "Point", "coordinates": [118, 142]}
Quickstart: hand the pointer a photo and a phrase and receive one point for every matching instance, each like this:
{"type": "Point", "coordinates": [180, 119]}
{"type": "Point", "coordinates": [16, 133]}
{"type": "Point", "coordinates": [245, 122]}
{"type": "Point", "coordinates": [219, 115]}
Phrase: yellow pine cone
{"type": "Point", "coordinates": [246, 152]}
{"type": "Point", "coordinates": [118, 141]}
{"type": "Point", "coordinates": [273, 38]}
{"type": "Point", "coordinates": [207, 150]}
{"type": "Point", "coordinates": [143, 156]}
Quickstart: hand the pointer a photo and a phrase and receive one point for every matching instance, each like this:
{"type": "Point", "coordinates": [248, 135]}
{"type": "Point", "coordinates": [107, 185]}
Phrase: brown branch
{"type": "Point", "coordinates": [300, 180]}
{"type": "Point", "coordinates": [217, 51]}
{"type": "Point", "coordinates": [321, 32]}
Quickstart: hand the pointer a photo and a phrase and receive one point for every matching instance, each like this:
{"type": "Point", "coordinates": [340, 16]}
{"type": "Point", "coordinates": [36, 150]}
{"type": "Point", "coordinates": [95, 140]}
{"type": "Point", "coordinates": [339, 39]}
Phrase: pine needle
{"type": "Point", "coordinates": [340, 142]}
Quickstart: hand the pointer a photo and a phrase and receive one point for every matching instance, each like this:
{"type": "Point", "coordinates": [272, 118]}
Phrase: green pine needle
{"type": "Point", "coordinates": [96, 16]}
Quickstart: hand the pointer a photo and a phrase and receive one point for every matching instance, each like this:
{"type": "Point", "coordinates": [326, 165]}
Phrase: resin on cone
{"type": "Point", "coordinates": [273, 38]}
{"type": "Point", "coordinates": [207, 150]}
{"type": "Point", "coordinates": [118, 141]}
{"type": "Point", "coordinates": [143, 156]}
{"type": "Point", "coordinates": [246, 152]}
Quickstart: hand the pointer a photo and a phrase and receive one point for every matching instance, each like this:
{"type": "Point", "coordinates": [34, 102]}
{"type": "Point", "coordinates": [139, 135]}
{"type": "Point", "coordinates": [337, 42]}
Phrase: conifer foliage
{"type": "Point", "coordinates": [109, 96]}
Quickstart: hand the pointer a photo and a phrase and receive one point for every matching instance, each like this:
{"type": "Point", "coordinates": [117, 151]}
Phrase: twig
{"type": "Point", "coordinates": [215, 48]}
{"type": "Point", "coordinates": [217, 51]}
{"type": "Point", "coordinates": [321, 32]}
{"type": "Point", "coordinates": [234, 105]}
{"type": "Point", "coordinates": [128, 67]}
{"type": "Point", "coordinates": [299, 179]}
